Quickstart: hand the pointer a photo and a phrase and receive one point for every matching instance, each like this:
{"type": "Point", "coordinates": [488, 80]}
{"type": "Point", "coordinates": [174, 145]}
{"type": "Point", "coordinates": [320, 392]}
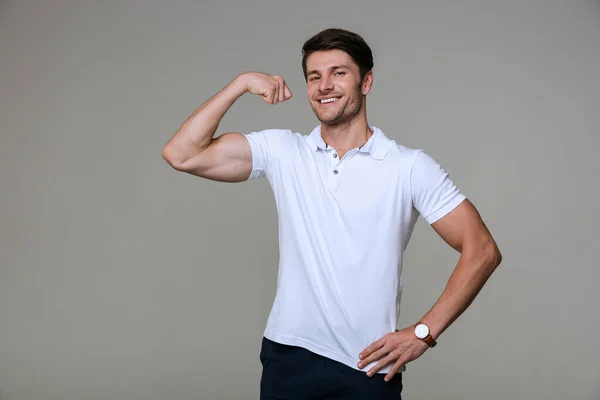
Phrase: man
{"type": "Point", "coordinates": [347, 198]}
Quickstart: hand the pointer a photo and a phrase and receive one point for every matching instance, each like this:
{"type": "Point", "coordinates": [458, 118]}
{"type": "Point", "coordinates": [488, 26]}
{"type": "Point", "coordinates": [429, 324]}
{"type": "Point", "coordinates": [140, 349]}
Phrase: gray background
{"type": "Point", "coordinates": [123, 279]}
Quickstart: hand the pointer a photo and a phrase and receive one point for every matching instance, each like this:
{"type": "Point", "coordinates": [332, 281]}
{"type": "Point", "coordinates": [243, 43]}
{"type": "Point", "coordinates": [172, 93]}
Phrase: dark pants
{"type": "Point", "coordinates": [294, 373]}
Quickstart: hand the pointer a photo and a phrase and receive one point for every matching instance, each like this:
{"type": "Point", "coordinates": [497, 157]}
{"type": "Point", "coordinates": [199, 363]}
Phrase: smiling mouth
{"type": "Point", "coordinates": [329, 100]}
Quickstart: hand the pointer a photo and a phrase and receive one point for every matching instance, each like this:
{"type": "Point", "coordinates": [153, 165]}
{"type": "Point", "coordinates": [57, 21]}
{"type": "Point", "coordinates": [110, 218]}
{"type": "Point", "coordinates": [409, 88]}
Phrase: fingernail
{"type": "Point", "coordinates": [360, 365]}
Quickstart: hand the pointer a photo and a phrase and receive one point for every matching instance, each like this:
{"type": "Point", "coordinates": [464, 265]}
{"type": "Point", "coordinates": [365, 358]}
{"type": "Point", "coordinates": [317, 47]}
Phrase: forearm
{"type": "Point", "coordinates": [471, 273]}
{"type": "Point", "coordinates": [197, 132]}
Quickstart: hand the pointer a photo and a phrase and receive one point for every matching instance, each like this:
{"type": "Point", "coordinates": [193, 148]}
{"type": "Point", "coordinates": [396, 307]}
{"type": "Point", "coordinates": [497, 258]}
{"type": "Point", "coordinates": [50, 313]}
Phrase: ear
{"type": "Point", "coordinates": [367, 83]}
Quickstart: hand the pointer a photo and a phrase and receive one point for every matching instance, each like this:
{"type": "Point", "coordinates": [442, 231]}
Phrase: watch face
{"type": "Point", "coordinates": [422, 331]}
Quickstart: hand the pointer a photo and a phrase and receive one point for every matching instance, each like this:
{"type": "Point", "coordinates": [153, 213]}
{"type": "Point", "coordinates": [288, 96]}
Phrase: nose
{"type": "Point", "coordinates": [326, 84]}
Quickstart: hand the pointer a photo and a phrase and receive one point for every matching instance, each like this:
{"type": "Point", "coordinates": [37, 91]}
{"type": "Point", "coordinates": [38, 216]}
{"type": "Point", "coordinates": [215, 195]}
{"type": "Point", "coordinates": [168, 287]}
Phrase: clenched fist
{"type": "Point", "coordinates": [272, 88]}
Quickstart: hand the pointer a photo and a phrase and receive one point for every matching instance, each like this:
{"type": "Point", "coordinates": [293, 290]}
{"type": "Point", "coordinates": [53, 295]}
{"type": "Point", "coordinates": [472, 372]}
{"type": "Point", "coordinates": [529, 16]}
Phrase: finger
{"type": "Point", "coordinates": [287, 92]}
{"type": "Point", "coordinates": [279, 92]}
{"type": "Point", "coordinates": [268, 96]}
{"type": "Point", "coordinates": [371, 348]}
{"type": "Point", "coordinates": [281, 87]}
{"type": "Point", "coordinates": [377, 355]}
{"type": "Point", "coordinates": [270, 92]}
{"type": "Point", "coordinates": [279, 95]}
{"type": "Point", "coordinates": [394, 370]}
{"type": "Point", "coordinates": [380, 365]}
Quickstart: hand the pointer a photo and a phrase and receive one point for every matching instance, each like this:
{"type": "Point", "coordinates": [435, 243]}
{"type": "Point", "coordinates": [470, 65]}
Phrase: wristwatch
{"type": "Point", "coordinates": [422, 332]}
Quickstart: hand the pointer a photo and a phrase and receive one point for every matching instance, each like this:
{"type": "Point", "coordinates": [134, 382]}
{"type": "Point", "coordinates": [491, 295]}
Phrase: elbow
{"type": "Point", "coordinates": [493, 255]}
{"type": "Point", "coordinates": [486, 254]}
{"type": "Point", "coordinates": [498, 256]}
{"type": "Point", "coordinates": [171, 158]}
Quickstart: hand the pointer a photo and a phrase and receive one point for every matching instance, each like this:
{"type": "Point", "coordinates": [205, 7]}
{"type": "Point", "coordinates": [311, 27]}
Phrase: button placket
{"type": "Point", "coordinates": [346, 158]}
{"type": "Point", "coordinates": [335, 162]}
{"type": "Point", "coordinates": [336, 165]}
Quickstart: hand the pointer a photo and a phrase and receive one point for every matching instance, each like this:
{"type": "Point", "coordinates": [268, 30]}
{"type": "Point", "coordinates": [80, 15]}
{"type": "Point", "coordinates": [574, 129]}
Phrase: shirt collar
{"type": "Point", "coordinates": [377, 146]}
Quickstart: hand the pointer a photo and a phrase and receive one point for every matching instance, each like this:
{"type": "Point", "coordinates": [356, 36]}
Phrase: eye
{"type": "Point", "coordinates": [314, 78]}
{"type": "Point", "coordinates": [340, 73]}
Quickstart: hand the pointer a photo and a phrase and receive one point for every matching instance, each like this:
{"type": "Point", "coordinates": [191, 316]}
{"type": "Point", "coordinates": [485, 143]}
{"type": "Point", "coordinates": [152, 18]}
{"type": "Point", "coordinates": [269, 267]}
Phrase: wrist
{"type": "Point", "coordinates": [435, 323]}
{"type": "Point", "coordinates": [423, 332]}
{"type": "Point", "coordinates": [240, 84]}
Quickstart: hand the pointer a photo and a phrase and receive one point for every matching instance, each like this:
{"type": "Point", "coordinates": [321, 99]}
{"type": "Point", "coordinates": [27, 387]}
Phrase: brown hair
{"type": "Point", "coordinates": [340, 39]}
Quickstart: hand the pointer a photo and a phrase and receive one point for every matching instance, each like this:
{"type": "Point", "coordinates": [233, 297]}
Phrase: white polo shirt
{"type": "Point", "coordinates": [343, 227]}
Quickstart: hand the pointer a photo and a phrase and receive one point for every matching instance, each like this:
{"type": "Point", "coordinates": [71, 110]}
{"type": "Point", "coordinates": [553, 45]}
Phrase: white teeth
{"type": "Point", "coordinates": [328, 100]}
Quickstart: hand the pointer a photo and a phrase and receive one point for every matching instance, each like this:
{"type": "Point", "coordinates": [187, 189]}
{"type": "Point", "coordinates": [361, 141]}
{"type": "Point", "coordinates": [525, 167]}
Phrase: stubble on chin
{"type": "Point", "coordinates": [330, 118]}
{"type": "Point", "coordinates": [343, 115]}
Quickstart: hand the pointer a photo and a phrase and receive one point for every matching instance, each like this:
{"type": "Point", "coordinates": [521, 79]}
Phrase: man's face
{"type": "Point", "coordinates": [335, 90]}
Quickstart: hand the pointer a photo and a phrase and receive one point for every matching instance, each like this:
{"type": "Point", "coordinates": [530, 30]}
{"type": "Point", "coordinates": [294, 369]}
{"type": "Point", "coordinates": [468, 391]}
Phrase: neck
{"type": "Point", "coordinates": [347, 135]}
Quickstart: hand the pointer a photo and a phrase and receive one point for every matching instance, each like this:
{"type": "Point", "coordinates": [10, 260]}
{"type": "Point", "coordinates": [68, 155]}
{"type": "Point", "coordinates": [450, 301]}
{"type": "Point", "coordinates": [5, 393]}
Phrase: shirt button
{"type": "Point", "coordinates": [335, 156]}
{"type": "Point", "coordinates": [335, 171]}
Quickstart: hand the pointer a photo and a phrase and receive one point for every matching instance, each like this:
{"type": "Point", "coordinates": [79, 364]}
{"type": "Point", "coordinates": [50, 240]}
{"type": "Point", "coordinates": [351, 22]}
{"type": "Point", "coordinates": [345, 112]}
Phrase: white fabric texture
{"type": "Point", "coordinates": [343, 227]}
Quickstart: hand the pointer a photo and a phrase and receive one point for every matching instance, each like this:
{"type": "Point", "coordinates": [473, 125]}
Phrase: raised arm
{"type": "Point", "coordinates": [227, 158]}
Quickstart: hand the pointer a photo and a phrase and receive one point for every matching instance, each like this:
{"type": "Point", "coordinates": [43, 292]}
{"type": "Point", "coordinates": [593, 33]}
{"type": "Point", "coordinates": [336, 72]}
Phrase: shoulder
{"type": "Point", "coordinates": [419, 164]}
{"type": "Point", "coordinates": [400, 153]}
{"type": "Point", "coordinates": [269, 134]}
{"type": "Point", "coordinates": [276, 138]}
{"type": "Point", "coordinates": [409, 159]}
{"type": "Point", "coordinates": [407, 153]}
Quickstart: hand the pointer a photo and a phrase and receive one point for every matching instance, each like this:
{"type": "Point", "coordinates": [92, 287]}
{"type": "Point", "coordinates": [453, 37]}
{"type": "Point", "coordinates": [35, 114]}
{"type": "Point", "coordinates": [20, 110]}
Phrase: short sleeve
{"type": "Point", "coordinates": [433, 193]}
{"type": "Point", "coordinates": [263, 145]}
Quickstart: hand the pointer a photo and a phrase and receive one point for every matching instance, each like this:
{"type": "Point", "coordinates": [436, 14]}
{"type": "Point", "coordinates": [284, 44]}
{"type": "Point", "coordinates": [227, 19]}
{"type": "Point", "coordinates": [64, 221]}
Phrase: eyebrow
{"type": "Point", "coordinates": [341, 66]}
